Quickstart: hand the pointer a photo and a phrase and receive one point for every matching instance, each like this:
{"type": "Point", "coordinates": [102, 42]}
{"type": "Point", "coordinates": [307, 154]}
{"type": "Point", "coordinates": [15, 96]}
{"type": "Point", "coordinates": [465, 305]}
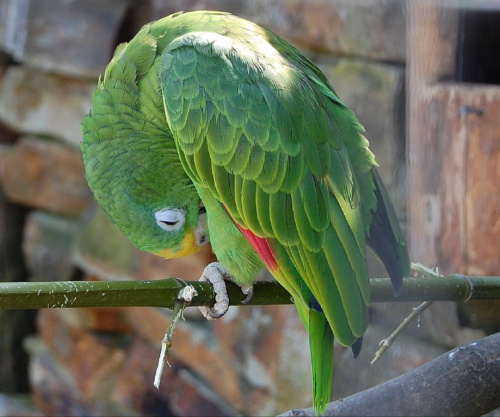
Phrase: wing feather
{"type": "Point", "coordinates": [280, 145]}
{"type": "Point", "coordinates": [254, 163]}
{"type": "Point", "coordinates": [249, 206]}
{"type": "Point", "coordinates": [262, 206]}
{"type": "Point", "coordinates": [310, 239]}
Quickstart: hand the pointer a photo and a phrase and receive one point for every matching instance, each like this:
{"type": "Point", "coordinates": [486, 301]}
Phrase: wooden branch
{"type": "Point", "coordinates": [163, 293]}
{"type": "Point", "coordinates": [462, 382]}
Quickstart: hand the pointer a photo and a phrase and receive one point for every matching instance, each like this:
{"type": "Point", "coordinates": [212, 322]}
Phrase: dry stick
{"type": "Point", "coordinates": [417, 311]}
{"type": "Point", "coordinates": [387, 343]}
{"type": "Point", "coordinates": [184, 298]}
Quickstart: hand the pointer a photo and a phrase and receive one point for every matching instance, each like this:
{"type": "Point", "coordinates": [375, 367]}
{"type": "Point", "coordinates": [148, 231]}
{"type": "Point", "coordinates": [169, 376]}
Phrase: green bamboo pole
{"type": "Point", "coordinates": [163, 293]}
{"type": "Point", "coordinates": [158, 293]}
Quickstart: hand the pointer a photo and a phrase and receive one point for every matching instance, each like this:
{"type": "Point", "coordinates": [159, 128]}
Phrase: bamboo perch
{"type": "Point", "coordinates": [163, 293]}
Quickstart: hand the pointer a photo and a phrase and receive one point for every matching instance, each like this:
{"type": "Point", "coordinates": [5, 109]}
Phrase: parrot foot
{"type": "Point", "coordinates": [215, 273]}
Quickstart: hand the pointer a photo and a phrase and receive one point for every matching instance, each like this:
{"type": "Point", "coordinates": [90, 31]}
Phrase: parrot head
{"type": "Point", "coordinates": [145, 194]}
{"type": "Point", "coordinates": [131, 163]}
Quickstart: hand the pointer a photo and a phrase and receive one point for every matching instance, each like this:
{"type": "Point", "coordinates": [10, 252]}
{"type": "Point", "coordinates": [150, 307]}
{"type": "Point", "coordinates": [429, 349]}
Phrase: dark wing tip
{"type": "Point", "coordinates": [385, 237]}
{"type": "Point", "coordinates": [356, 347]}
{"type": "Point", "coordinates": [397, 271]}
{"type": "Point", "coordinates": [397, 284]}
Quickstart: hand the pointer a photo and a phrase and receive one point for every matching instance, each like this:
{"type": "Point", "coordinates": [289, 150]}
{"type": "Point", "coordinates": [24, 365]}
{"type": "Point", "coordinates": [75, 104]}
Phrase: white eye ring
{"type": "Point", "coordinates": [170, 219]}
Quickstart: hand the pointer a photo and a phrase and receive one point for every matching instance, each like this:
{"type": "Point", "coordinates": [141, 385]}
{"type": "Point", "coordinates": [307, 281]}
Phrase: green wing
{"type": "Point", "coordinates": [259, 127]}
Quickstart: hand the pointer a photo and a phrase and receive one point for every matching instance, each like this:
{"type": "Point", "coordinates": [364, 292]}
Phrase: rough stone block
{"type": "Point", "coordinates": [76, 37]}
{"type": "Point", "coordinates": [93, 360]}
{"type": "Point", "coordinates": [190, 397]}
{"type": "Point", "coordinates": [56, 391]}
{"type": "Point", "coordinates": [48, 242]}
{"type": "Point", "coordinates": [369, 28]}
{"type": "Point", "coordinates": [70, 343]}
{"type": "Point", "coordinates": [45, 175]}
{"type": "Point", "coordinates": [13, 26]}
{"type": "Point", "coordinates": [38, 103]}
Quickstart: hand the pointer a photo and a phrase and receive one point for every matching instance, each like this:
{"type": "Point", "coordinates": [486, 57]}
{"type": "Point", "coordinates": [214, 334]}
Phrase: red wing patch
{"type": "Point", "coordinates": [260, 244]}
{"type": "Point", "coordinates": [262, 248]}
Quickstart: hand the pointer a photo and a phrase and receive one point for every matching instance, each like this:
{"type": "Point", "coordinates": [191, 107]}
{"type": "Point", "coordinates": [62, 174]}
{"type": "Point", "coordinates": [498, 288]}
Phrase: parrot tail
{"type": "Point", "coordinates": [385, 238]}
{"type": "Point", "coordinates": [321, 345]}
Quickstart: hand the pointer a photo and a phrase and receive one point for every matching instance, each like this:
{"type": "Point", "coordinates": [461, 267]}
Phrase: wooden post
{"type": "Point", "coordinates": [454, 151]}
{"type": "Point", "coordinates": [454, 165]}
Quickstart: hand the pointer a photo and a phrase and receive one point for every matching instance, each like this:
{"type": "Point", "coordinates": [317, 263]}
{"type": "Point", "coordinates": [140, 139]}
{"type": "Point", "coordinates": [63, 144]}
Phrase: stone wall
{"type": "Point", "coordinates": [254, 361]}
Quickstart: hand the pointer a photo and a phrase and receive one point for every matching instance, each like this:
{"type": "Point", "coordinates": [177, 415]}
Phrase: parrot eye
{"type": "Point", "coordinates": [170, 220]}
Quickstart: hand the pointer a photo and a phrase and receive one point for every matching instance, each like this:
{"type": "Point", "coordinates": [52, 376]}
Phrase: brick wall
{"type": "Point", "coordinates": [101, 361]}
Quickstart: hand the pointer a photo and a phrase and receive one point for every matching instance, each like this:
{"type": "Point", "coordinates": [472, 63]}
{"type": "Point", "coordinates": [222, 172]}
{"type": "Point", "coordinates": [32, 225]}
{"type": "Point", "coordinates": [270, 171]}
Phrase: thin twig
{"type": "Point", "coordinates": [184, 298]}
{"type": "Point", "coordinates": [387, 343]}
{"type": "Point", "coordinates": [417, 312]}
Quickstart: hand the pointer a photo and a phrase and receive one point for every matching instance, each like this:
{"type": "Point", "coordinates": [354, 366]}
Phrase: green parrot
{"type": "Point", "coordinates": [207, 126]}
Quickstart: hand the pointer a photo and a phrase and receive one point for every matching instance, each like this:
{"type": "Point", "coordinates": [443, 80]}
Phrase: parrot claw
{"type": "Point", "coordinates": [248, 291]}
{"type": "Point", "coordinates": [215, 273]}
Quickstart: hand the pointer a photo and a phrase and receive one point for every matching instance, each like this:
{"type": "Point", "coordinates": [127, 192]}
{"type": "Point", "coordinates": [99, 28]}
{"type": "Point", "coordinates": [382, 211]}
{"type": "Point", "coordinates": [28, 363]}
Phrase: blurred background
{"type": "Point", "coordinates": [423, 78]}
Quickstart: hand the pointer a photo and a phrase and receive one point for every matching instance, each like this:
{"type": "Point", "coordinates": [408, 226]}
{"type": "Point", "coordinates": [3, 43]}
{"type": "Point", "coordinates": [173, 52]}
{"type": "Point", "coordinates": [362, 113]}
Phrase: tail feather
{"type": "Point", "coordinates": [385, 238]}
{"type": "Point", "coordinates": [321, 343]}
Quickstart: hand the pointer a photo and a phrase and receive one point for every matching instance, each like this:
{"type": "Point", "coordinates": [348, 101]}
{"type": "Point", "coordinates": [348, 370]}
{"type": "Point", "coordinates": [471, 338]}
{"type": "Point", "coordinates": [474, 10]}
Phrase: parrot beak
{"type": "Point", "coordinates": [188, 246]}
